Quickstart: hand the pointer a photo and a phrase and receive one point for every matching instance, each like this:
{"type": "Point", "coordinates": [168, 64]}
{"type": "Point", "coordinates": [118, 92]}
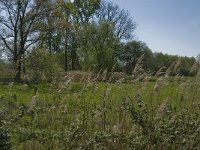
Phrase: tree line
{"type": "Point", "coordinates": [46, 36]}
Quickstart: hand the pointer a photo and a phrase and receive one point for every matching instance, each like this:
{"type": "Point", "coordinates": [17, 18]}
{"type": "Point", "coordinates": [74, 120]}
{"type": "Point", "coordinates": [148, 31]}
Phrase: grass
{"type": "Point", "coordinates": [101, 115]}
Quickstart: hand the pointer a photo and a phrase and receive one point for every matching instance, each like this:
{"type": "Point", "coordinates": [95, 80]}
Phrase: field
{"type": "Point", "coordinates": [161, 114]}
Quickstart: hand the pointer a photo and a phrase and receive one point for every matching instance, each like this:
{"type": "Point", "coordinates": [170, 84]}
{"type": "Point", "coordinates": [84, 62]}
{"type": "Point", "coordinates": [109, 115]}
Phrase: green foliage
{"type": "Point", "coordinates": [132, 52]}
{"type": "Point", "coordinates": [186, 64]}
{"type": "Point", "coordinates": [5, 142]}
{"type": "Point", "coordinates": [152, 62]}
{"type": "Point", "coordinates": [163, 60]}
{"type": "Point", "coordinates": [42, 65]}
{"type": "Point", "coordinates": [97, 55]}
{"type": "Point", "coordinates": [84, 9]}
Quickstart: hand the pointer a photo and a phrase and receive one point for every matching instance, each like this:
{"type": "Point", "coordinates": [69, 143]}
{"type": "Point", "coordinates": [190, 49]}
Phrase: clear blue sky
{"type": "Point", "coordinates": [168, 26]}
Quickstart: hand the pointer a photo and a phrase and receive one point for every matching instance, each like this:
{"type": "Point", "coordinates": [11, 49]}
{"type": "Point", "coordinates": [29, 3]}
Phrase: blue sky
{"type": "Point", "coordinates": [168, 26]}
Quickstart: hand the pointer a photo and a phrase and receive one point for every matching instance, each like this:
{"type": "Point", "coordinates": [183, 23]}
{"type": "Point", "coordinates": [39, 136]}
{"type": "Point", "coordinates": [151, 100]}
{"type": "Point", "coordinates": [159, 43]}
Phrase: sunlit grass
{"type": "Point", "coordinates": [97, 115]}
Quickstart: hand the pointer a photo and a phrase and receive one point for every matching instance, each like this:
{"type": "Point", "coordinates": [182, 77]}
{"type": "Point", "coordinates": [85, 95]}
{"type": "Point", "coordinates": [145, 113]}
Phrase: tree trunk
{"type": "Point", "coordinates": [66, 60]}
{"type": "Point", "coordinates": [66, 51]}
{"type": "Point", "coordinates": [74, 58]}
{"type": "Point", "coordinates": [24, 65]}
{"type": "Point", "coordinates": [74, 55]}
{"type": "Point", "coordinates": [17, 77]}
{"type": "Point", "coordinates": [49, 41]}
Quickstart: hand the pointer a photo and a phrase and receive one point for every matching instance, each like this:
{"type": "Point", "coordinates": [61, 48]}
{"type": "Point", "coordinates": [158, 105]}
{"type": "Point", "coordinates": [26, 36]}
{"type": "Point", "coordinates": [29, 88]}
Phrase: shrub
{"type": "Point", "coordinates": [5, 143]}
{"type": "Point", "coordinates": [42, 65]}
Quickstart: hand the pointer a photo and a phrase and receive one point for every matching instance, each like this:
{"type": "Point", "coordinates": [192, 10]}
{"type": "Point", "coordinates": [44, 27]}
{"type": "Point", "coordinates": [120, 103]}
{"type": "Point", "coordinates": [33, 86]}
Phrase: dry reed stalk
{"type": "Point", "coordinates": [169, 70]}
{"type": "Point", "coordinates": [104, 75]}
{"type": "Point", "coordinates": [89, 78]}
{"type": "Point", "coordinates": [195, 68]}
{"type": "Point", "coordinates": [138, 73]}
{"type": "Point", "coordinates": [161, 110]}
{"type": "Point", "coordinates": [177, 68]}
{"type": "Point", "coordinates": [173, 119]}
{"type": "Point", "coordinates": [98, 76]}
{"type": "Point", "coordinates": [33, 103]}
{"type": "Point", "coordinates": [115, 76]}
{"type": "Point", "coordinates": [198, 75]}
{"type": "Point", "coordinates": [65, 84]}
{"type": "Point", "coordinates": [138, 67]}
{"type": "Point", "coordinates": [159, 84]}
{"type": "Point", "coordinates": [116, 130]}
{"type": "Point", "coordinates": [161, 71]}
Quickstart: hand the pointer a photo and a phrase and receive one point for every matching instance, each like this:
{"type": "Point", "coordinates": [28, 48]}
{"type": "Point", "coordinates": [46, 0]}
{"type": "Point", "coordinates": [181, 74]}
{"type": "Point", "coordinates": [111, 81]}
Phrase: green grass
{"type": "Point", "coordinates": [101, 115]}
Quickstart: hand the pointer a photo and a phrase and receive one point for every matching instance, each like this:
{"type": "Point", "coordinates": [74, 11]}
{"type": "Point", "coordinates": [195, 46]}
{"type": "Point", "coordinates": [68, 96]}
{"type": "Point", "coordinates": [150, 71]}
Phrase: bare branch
{"type": "Point", "coordinates": [6, 43]}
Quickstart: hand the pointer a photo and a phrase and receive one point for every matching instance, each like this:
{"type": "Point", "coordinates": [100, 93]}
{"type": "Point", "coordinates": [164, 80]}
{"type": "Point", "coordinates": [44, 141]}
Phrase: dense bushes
{"type": "Point", "coordinates": [42, 65]}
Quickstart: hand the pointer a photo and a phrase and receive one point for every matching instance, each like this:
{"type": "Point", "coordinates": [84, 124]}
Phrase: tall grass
{"type": "Point", "coordinates": [99, 115]}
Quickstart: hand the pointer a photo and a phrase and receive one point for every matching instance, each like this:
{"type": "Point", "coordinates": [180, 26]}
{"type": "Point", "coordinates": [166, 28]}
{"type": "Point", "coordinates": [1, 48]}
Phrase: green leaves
{"type": "Point", "coordinates": [97, 55]}
{"type": "Point", "coordinates": [42, 64]}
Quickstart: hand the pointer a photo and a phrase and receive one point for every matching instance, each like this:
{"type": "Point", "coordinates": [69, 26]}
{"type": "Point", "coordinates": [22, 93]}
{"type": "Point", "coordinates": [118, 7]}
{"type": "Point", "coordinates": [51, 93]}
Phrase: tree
{"type": "Point", "coordinates": [17, 20]}
{"type": "Point", "coordinates": [123, 24]}
{"type": "Point", "coordinates": [75, 15]}
{"type": "Point", "coordinates": [162, 60]}
{"type": "Point", "coordinates": [131, 52]}
{"type": "Point", "coordinates": [84, 10]}
{"type": "Point", "coordinates": [98, 53]}
{"type": "Point", "coordinates": [42, 64]}
{"type": "Point", "coordinates": [82, 14]}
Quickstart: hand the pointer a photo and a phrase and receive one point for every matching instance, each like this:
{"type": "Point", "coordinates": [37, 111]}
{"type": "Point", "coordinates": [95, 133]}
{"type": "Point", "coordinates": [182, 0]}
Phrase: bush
{"type": "Point", "coordinates": [42, 65]}
{"type": "Point", "coordinates": [5, 143]}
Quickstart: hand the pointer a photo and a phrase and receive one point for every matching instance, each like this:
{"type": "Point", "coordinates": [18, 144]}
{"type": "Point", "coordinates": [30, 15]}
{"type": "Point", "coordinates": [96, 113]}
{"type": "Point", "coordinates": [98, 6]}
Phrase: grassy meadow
{"type": "Point", "coordinates": [74, 75]}
{"type": "Point", "coordinates": [162, 113]}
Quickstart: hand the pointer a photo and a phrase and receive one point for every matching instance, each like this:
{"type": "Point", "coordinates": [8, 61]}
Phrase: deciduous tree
{"type": "Point", "coordinates": [16, 28]}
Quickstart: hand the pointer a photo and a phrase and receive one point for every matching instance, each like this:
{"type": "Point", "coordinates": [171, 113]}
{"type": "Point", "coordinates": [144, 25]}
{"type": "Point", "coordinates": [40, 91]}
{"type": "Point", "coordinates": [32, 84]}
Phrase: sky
{"type": "Point", "coordinates": [168, 26]}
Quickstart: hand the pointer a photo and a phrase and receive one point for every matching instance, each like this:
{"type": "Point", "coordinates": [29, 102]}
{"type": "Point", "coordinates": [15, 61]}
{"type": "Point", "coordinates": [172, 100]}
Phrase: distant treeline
{"type": "Point", "coordinates": [155, 62]}
{"type": "Point", "coordinates": [42, 38]}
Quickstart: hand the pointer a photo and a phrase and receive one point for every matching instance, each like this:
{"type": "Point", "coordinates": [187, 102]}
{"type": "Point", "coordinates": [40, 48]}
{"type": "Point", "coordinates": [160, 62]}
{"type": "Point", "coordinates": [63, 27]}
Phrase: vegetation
{"type": "Point", "coordinates": [99, 115]}
{"type": "Point", "coordinates": [73, 77]}
{"type": "Point", "coordinates": [83, 35]}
